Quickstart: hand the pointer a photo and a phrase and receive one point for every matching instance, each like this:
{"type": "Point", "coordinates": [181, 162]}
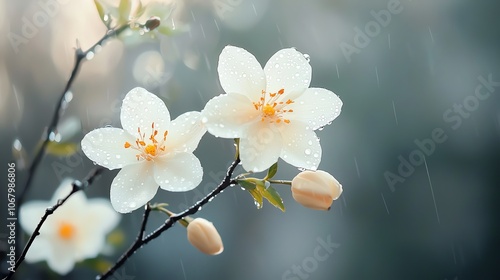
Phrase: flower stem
{"type": "Point", "coordinates": [76, 186]}
{"type": "Point", "coordinates": [283, 182]}
{"type": "Point", "coordinates": [140, 242]}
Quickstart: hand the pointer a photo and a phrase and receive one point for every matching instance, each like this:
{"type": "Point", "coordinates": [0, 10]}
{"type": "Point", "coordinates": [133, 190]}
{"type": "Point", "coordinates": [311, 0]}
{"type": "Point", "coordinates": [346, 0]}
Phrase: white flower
{"type": "Point", "coordinates": [74, 232]}
{"type": "Point", "coordinates": [150, 149]}
{"type": "Point", "coordinates": [272, 110]}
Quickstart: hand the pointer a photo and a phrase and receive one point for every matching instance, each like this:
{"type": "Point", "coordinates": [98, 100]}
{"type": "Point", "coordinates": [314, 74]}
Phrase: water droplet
{"type": "Point", "coordinates": [204, 120]}
{"type": "Point", "coordinates": [276, 65]}
{"type": "Point", "coordinates": [307, 57]}
{"type": "Point", "coordinates": [309, 142]}
{"type": "Point", "coordinates": [118, 156]}
{"type": "Point", "coordinates": [89, 55]}
{"type": "Point", "coordinates": [307, 151]}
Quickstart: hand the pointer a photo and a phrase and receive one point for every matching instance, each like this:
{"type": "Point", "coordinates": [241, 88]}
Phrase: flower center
{"type": "Point", "coordinates": [151, 150]}
{"type": "Point", "coordinates": [272, 109]}
{"type": "Point", "coordinates": [66, 231]}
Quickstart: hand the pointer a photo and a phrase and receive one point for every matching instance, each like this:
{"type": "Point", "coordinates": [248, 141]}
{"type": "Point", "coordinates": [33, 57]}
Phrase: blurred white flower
{"type": "Point", "coordinates": [152, 150]}
{"type": "Point", "coordinates": [75, 232]}
{"type": "Point", "coordinates": [272, 111]}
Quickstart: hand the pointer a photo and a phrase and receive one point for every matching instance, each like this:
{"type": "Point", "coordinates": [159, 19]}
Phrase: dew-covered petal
{"type": "Point", "coordinates": [30, 214]}
{"type": "Point", "coordinates": [261, 148]}
{"type": "Point", "coordinates": [301, 147]}
{"type": "Point", "coordinates": [316, 107]}
{"type": "Point", "coordinates": [106, 147]}
{"type": "Point", "coordinates": [228, 115]}
{"type": "Point", "coordinates": [240, 72]}
{"type": "Point", "coordinates": [133, 187]}
{"type": "Point", "coordinates": [178, 173]}
{"type": "Point", "coordinates": [185, 132]}
{"type": "Point", "coordinates": [141, 109]}
{"type": "Point", "coordinates": [288, 69]}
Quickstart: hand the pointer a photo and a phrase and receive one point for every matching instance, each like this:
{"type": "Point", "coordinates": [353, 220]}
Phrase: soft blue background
{"type": "Point", "coordinates": [395, 91]}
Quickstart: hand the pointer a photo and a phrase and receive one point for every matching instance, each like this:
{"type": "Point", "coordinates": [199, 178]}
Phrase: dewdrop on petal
{"type": "Point", "coordinates": [203, 235]}
{"type": "Point", "coordinates": [316, 189]}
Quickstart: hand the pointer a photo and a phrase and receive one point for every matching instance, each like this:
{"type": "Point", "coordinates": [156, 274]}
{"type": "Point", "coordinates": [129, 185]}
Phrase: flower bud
{"type": "Point", "coordinates": [204, 236]}
{"type": "Point", "coordinates": [315, 189]}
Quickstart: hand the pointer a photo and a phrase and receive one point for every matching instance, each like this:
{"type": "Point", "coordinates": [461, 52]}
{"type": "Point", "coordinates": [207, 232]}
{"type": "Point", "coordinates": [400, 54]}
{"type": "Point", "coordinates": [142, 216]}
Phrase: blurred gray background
{"type": "Point", "coordinates": [407, 80]}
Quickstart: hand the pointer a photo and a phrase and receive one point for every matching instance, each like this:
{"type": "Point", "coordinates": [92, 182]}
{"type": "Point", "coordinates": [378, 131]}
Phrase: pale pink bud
{"type": "Point", "coordinates": [204, 236]}
{"type": "Point", "coordinates": [315, 189]}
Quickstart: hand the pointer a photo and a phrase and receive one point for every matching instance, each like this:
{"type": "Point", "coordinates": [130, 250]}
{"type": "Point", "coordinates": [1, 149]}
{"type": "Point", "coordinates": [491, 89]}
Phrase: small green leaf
{"type": "Point", "coordinates": [124, 11]}
{"type": "Point", "coordinates": [273, 197]}
{"type": "Point", "coordinates": [165, 30]}
{"type": "Point", "coordinates": [61, 149]}
{"type": "Point", "coordinates": [257, 196]}
{"type": "Point", "coordinates": [100, 10]}
{"type": "Point", "coordinates": [272, 171]}
{"type": "Point", "coordinates": [246, 184]}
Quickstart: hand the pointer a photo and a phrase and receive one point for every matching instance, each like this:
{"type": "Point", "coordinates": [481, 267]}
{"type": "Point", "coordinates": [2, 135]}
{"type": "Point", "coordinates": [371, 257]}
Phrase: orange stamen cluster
{"type": "Point", "coordinates": [66, 231]}
{"type": "Point", "coordinates": [272, 109]}
{"type": "Point", "coordinates": [151, 150]}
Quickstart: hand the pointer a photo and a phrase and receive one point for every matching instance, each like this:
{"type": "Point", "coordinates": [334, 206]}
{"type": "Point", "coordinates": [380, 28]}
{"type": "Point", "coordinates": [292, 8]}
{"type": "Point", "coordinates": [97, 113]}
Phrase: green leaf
{"type": "Point", "coordinates": [124, 11]}
{"type": "Point", "coordinates": [273, 197]}
{"type": "Point", "coordinates": [61, 149]}
{"type": "Point", "coordinates": [165, 30]}
{"type": "Point", "coordinates": [272, 171]}
{"type": "Point", "coordinates": [100, 10]}
{"type": "Point", "coordinates": [258, 189]}
{"type": "Point", "coordinates": [257, 196]}
{"type": "Point", "coordinates": [246, 184]}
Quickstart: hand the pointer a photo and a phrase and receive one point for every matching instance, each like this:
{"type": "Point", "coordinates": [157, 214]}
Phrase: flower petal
{"type": "Point", "coordinates": [288, 69]}
{"type": "Point", "coordinates": [261, 149]}
{"type": "Point", "coordinates": [133, 187]}
{"type": "Point", "coordinates": [105, 146]}
{"type": "Point", "coordinates": [99, 213]}
{"type": "Point", "coordinates": [185, 132]}
{"type": "Point", "coordinates": [61, 257]}
{"type": "Point", "coordinates": [228, 115]}
{"type": "Point", "coordinates": [30, 214]}
{"type": "Point", "coordinates": [39, 250]}
{"type": "Point", "coordinates": [240, 72]}
{"type": "Point", "coordinates": [178, 173]}
{"type": "Point", "coordinates": [301, 147]}
{"type": "Point", "coordinates": [316, 107]}
{"type": "Point", "coordinates": [140, 109]}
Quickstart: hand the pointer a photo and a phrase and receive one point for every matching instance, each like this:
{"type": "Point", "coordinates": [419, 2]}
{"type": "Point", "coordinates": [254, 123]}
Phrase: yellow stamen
{"type": "Point", "coordinates": [148, 148]}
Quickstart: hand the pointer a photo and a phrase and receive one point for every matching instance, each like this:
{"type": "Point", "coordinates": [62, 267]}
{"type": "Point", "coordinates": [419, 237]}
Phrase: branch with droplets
{"type": "Point", "coordinates": [76, 187]}
{"type": "Point", "coordinates": [143, 240]}
{"type": "Point", "coordinates": [62, 103]}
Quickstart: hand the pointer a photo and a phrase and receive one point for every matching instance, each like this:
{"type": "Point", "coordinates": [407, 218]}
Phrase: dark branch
{"type": "Point", "coordinates": [140, 242]}
{"type": "Point", "coordinates": [79, 58]}
{"type": "Point", "coordinates": [76, 186]}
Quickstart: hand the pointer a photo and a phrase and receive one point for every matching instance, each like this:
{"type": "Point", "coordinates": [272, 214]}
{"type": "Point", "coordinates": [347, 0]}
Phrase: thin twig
{"type": "Point", "coordinates": [145, 217]}
{"type": "Point", "coordinates": [76, 186]}
{"type": "Point", "coordinates": [226, 182]}
{"type": "Point", "coordinates": [59, 110]}
{"type": "Point", "coordinates": [79, 58]}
